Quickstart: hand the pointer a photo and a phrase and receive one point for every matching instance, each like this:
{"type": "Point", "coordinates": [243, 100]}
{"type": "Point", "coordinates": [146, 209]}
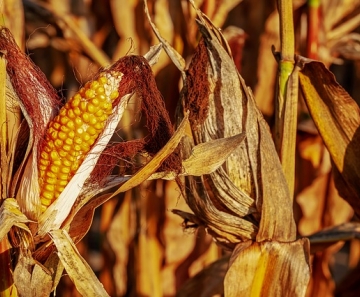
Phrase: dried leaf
{"type": "Point", "coordinates": [176, 58]}
{"type": "Point", "coordinates": [269, 269]}
{"type": "Point", "coordinates": [213, 152]}
{"type": "Point", "coordinates": [10, 215]}
{"type": "Point", "coordinates": [153, 54]}
{"type": "Point", "coordinates": [55, 267]}
{"type": "Point", "coordinates": [14, 10]}
{"type": "Point", "coordinates": [33, 279]}
{"type": "Point", "coordinates": [337, 117]}
{"type": "Point", "coordinates": [206, 157]}
{"type": "Point", "coordinates": [328, 236]}
{"type": "Point", "coordinates": [78, 270]}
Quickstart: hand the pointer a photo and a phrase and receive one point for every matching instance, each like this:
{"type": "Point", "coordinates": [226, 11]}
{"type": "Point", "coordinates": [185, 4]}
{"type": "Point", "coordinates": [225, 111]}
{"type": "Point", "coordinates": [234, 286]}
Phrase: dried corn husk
{"type": "Point", "coordinates": [245, 202]}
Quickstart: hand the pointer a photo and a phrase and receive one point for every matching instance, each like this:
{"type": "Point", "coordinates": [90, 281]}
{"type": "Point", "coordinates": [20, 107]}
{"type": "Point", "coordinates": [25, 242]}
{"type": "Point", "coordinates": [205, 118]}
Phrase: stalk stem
{"type": "Point", "coordinates": [287, 96]}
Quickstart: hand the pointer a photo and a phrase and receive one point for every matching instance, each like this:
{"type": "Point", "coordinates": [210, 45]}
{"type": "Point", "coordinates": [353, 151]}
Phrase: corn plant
{"type": "Point", "coordinates": [60, 158]}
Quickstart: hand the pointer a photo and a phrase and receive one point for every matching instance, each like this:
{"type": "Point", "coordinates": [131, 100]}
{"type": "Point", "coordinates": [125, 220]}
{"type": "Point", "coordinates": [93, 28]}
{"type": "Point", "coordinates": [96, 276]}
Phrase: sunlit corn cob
{"type": "Point", "coordinates": [72, 133]}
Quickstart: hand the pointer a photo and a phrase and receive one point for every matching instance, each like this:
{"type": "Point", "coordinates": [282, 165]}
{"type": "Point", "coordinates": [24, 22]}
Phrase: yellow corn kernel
{"type": "Point", "coordinates": [92, 131]}
{"type": "Point", "coordinates": [90, 93]}
{"type": "Point", "coordinates": [78, 122]}
{"type": "Point", "coordinates": [48, 196]}
{"type": "Point", "coordinates": [64, 120]}
{"type": "Point", "coordinates": [49, 187]}
{"type": "Point", "coordinates": [44, 162]}
{"type": "Point", "coordinates": [58, 143]}
{"type": "Point", "coordinates": [76, 100]}
{"type": "Point", "coordinates": [72, 133]}
{"type": "Point", "coordinates": [83, 105]}
{"type": "Point", "coordinates": [62, 183]}
{"type": "Point", "coordinates": [54, 155]}
{"type": "Point", "coordinates": [100, 91]}
{"type": "Point", "coordinates": [69, 141]}
{"type": "Point", "coordinates": [70, 113]}
{"type": "Point", "coordinates": [51, 181]}
{"type": "Point", "coordinates": [95, 102]}
{"type": "Point", "coordinates": [77, 111]}
{"type": "Point", "coordinates": [62, 135]}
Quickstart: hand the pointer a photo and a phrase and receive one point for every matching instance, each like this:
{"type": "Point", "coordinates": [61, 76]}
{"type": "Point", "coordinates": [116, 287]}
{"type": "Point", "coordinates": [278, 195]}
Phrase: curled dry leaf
{"type": "Point", "coordinates": [337, 117]}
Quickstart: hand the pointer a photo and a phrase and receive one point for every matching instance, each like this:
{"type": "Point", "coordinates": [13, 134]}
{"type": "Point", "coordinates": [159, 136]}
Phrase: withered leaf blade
{"type": "Point", "coordinates": [76, 267]}
{"type": "Point", "coordinates": [324, 238]}
{"type": "Point", "coordinates": [337, 118]}
{"type": "Point", "coordinates": [176, 58]}
{"type": "Point", "coordinates": [254, 268]}
{"type": "Point", "coordinates": [206, 157]}
{"type": "Point", "coordinates": [10, 215]}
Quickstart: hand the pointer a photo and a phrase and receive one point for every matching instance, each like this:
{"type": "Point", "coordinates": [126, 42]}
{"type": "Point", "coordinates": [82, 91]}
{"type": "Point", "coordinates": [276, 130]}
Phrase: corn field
{"type": "Point", "coordinates": [179, 148]}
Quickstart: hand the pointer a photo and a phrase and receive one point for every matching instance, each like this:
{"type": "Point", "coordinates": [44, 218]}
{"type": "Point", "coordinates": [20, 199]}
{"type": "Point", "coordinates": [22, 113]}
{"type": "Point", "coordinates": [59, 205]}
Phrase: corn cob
{"type": "Point", "coordinates": [72, 133]}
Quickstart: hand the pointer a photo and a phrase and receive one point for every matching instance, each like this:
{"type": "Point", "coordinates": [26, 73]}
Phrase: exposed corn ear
{"type": "Point", "coordinates": [72, 133]}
